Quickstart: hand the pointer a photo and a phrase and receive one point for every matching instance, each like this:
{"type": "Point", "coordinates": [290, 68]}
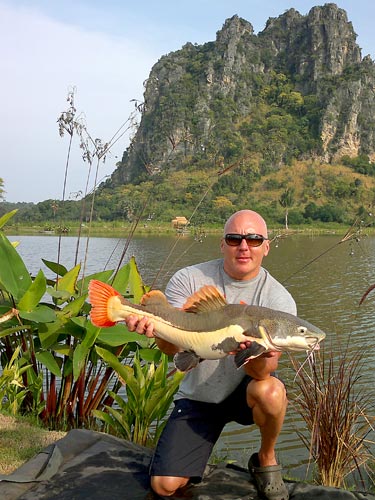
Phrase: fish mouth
{"type": "Point", "coordinates": [314, 342]}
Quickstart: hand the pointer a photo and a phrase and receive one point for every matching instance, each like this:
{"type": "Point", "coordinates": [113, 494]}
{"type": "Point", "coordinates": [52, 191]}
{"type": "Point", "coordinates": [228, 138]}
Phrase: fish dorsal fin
{"type": "Point", "coordinates": [154, 297]}
{"type": "Point", "coordinates": [206, 299]}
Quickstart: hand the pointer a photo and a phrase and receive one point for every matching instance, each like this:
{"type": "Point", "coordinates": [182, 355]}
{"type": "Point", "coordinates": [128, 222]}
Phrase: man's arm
{"type": "Point", "coordinates": [261, 368]}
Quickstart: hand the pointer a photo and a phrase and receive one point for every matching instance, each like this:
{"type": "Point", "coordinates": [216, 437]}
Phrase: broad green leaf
{"type": "Point", "coordinates": [119, 335]}
{"type": "Point", "coordinates": [69, 280]}
{"type": "Point", "coordinates": [88, 332]}
{"type": "Point", "coordinates": [136, 287]}
{"type": "Point", "coordinates": [79, 321]}
{"type": "Point", "coordinates": [41, 314]}
{"type": "Point", "coordinates": [14, 329]}
{"type": "Point", "coordinates": [151, 355]}
{"type": "Point", "coordinates": [67, 367]}
{"type": "Point", "coordinates": [124, 371]}
{"type": "Point", "coordinates": [73, 308]}
{"type": "Point", "coordinates": [90, 335]}
{"type": "Point", "coordinates": [34, 293]}
{"type": "Point", "coordinates": [62, 349]}
{"type": "Point", "coordinates": [121, 280]}
{"type": "Point", "coordinates": [103, 416]}
{"type": "Point", "coordinates": [56, 268]}
{"type": "Point", "coordinates": [4, 219]}
{"type": "Point", "coordinates": [14, 276]}
{"type": "Point", "coordinates": [61, 295]}
{"type": "Point", "coordinates": [79, 359]}
{"type": "Point", "coordinates": [48, 333]}
{"type": "Point", "coordinates": [48, 360]}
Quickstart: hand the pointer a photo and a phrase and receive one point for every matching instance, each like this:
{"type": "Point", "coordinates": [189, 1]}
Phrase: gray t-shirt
{"type": "Point", "coordinates": [213, 380]}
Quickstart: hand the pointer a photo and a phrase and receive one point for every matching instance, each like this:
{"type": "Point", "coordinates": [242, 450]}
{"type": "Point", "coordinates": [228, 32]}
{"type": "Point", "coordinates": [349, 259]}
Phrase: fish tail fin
{"type": "Point", "coordinates": [99, 295]}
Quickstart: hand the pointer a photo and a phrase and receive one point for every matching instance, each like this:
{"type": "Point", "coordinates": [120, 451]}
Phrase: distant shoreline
{"type": "Point", "coordinates": [118, 229]}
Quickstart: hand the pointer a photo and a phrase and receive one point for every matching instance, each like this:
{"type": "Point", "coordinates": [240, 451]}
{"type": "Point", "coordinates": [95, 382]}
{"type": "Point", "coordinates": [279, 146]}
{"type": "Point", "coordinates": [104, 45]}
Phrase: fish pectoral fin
{"type": "Point", "coordinates": [251, 352]}
{"type": "Point", "coordinates": [185, 361]}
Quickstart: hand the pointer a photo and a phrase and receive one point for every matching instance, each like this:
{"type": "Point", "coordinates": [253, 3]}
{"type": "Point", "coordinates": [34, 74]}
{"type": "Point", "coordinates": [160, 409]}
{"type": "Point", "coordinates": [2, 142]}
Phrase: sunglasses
{"type": "Point", "coordinates": [252, 240]}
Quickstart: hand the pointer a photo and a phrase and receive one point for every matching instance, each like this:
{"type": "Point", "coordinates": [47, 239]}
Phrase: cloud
{"type": "Point", "coordinates": [40, 60]}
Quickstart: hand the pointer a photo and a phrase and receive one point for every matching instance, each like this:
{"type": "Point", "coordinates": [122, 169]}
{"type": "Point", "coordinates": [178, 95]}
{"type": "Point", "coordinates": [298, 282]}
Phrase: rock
{"type": "Point", "coordinates": [192, 91]}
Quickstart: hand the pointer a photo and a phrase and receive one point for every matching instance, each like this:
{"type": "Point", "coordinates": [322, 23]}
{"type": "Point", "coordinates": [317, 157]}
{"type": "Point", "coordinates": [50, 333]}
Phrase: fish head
{"type": "Point", "coordinates": [290, 333]}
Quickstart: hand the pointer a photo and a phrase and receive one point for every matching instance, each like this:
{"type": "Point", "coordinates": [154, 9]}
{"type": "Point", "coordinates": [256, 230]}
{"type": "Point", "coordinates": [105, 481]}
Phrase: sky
{"type": "Point", "coordinates": [104, 50]}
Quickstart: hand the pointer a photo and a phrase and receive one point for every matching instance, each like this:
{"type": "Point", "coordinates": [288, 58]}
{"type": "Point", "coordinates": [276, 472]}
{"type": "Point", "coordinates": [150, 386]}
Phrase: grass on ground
{"type": "Point", "coordinates": [20, 440]}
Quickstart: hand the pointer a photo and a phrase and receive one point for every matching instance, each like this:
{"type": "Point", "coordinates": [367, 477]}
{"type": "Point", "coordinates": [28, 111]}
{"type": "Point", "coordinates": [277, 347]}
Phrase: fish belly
{"type": "Point", "coordinates": [206, 345]}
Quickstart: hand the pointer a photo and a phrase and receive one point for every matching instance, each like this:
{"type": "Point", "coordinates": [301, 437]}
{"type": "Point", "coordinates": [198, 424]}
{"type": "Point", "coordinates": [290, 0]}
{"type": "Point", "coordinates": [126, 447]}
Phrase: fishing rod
{"type": "Point", "coordinates": [352, 233]}
{"type": "Point", "coordinates": [209, 187]}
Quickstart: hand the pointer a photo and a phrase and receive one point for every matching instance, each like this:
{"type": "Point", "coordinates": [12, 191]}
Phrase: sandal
{"type": "Point", "coordinates": [268, 480]}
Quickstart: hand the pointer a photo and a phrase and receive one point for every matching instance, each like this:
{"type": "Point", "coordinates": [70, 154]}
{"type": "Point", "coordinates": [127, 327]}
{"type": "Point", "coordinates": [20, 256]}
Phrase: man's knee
{"type": "Point", "coordinates": [167, 485]}
{"type": "Point", "coordinates": [270, 391]}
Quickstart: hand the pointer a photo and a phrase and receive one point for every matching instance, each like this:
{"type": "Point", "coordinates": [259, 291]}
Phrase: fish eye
{"type": "Point", "coordinates": [302, 329]}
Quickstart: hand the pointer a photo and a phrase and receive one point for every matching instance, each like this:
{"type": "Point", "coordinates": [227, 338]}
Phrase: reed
{"type": "Point", "coordinates": [94, 154]}
{"type": "Point", "coordinates": [335, 409]}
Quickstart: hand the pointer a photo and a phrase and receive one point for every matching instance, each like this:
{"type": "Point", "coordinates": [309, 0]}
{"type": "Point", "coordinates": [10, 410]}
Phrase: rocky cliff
{"type": "Point", "coordinates": [298, 89]}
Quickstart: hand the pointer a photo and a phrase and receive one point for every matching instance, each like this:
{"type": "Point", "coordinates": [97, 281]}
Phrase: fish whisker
{"type": "Point", "coordinates": [310, 360]}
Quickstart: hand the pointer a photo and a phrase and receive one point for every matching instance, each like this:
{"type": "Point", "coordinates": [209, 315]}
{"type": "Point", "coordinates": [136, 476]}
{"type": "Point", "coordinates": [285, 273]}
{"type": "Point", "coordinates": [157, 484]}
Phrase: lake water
{"type": "Point", "coordinates": [327, 293]}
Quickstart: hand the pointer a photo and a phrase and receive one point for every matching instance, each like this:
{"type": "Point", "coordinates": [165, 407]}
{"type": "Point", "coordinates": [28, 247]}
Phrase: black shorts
{"type": "Point", "coordinates": [192, 430]}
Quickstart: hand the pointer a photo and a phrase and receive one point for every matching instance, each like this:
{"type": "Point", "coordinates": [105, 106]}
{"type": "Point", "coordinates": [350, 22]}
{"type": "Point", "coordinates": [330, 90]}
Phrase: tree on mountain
{"type": "Point", "coordinates": [286, 200]}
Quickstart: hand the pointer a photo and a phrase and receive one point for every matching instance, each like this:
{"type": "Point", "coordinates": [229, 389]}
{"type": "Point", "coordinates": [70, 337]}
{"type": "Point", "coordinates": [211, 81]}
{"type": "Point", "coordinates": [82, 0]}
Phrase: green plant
{"type": "Point", "coordinates": [336, 413]}
{"type": "Point", "coordinates": [12, 390]}
{"type": "Point", "coordinates": [149, 393]}
{"type": "Point", "coordinates": [51, 341]}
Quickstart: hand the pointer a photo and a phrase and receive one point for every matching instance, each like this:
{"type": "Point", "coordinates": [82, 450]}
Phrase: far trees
{"type": "Point", "coordinates": [286, 201]}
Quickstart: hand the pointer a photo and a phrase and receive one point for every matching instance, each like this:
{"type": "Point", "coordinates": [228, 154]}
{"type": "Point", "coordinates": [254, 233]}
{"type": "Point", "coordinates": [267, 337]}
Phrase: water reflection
{"type": "Point", "coordinates": [327, 293]}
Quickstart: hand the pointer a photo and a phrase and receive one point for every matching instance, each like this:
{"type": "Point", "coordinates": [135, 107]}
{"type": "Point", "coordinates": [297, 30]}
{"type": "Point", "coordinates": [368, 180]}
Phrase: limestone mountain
{"type": "Point", "coordinates": [299, 89]}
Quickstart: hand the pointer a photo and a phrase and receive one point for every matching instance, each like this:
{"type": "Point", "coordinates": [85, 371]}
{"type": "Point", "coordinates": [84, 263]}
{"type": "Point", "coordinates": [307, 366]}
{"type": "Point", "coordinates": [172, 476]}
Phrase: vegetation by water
{"type": "Point", "coordinates": [320, 194]}
{"type": "Point", "coordinates": [154, 227]}
{"type": "Point", "coordinates": [336, 415]}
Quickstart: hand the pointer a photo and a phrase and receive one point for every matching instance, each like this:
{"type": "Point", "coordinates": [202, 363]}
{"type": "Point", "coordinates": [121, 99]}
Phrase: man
{"type": "Point", "coordinates": [215, 392]}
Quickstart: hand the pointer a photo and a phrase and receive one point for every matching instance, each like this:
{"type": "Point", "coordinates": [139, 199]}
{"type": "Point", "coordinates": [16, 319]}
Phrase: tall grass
{"type": "Point", "coordinates": [94, 154]}
{"type": "Point", "coordinates": [330, 399]}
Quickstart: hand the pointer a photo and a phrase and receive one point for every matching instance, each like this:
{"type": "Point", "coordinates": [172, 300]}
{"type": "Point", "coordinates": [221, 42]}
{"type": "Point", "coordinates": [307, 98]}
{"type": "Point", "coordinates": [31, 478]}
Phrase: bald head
{"type": "Point", "coordinates": [246, 218]}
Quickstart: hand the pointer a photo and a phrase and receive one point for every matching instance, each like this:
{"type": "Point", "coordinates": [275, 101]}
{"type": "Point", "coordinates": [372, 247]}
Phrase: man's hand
{"type": "Point", "coordinates": [242, 345]}
{"type": "Point", "coordinates": [143, 326]}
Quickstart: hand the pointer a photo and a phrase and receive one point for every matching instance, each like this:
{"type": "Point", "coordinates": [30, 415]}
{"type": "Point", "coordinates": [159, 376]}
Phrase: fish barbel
{"type": "Point", "coordinates": [207, 327]}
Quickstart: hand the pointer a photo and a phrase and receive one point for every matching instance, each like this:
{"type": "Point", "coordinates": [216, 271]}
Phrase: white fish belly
{"type": "Point", "coordinates": [205, 344]}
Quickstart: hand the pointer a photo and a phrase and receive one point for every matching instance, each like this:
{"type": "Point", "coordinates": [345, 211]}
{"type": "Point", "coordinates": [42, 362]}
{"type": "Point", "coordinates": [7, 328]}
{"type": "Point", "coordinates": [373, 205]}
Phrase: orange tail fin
{"type": "Point", "coordinates": [99, 294]}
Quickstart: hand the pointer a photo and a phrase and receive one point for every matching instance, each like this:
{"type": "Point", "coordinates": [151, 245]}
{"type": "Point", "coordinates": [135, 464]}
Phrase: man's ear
{"type": "Point", "coordinates": [222, 243]}
{"type": "Point", "coordinates": [266, 248]}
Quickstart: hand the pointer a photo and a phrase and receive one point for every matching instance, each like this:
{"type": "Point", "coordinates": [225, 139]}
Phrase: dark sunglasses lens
{"type": "Point", "coordinates": [234, 240]}
{"type": "Point", "coordinates": [254, 242]}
